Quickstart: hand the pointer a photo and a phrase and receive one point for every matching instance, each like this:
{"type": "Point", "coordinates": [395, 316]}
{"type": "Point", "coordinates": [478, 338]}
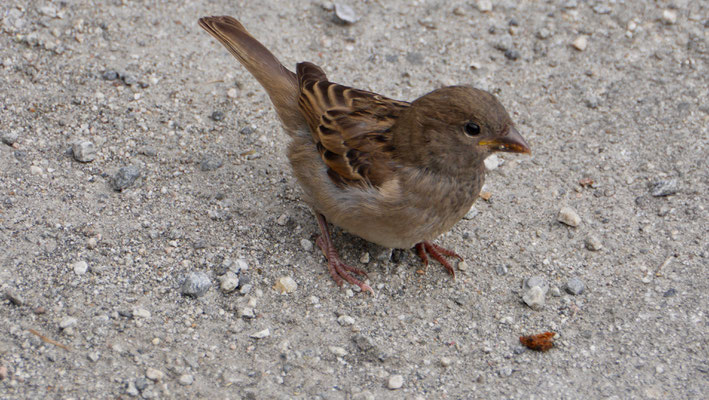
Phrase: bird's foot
{"type": "Point", "coordinates": [338, 269]}
{"type": "Point", "coordinates": [438, 253]}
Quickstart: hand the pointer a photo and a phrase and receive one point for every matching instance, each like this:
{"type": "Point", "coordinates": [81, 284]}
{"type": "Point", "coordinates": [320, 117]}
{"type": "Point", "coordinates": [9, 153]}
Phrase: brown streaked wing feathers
{"type": "Point", "coordinates": [351, 127]}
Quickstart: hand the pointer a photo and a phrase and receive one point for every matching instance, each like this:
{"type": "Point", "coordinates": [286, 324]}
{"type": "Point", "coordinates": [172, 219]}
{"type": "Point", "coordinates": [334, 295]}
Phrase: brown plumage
{"type": "Point", "coordinates": [394, 173]}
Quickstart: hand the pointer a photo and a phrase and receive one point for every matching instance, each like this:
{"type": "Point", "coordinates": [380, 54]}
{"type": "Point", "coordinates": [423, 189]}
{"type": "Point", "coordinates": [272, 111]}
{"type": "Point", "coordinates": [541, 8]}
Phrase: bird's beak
{"type": "Point", "coordinates": [513, 142]}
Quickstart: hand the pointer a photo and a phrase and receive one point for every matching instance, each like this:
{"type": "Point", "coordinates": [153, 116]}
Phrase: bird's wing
{"type": "Point", "coordinates": [351, 127]}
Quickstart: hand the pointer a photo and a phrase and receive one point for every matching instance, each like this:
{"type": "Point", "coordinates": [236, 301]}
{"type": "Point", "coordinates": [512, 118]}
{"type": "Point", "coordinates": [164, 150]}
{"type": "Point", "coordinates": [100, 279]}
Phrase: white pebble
{"type": "Point", "coordinates": [35, 170]}
{"type": "Point", "coordinates": [484, 5]}
{"type": "Point", "coordinates": [141, 313]}
{"type": "Point", "coordinates": [580, 43]}
{"type": "Point", "coordinates": [68, 322]}
{"type": "Point", "coordinates": [395, 382]}
{"type": "Point", "coordinates": [345, 320]}
{"type": "Point", "coordinates": [261, 334]}
{"type": "Point", "coordinates": [669, 17]}
{"type": "Point", "coordinates": [80, 267]}
{"type": "Point", "coordinates": [568, 216]}
{"type": "Point", "coordinates": [285, 284]}
{"type": "Point", "coordinates": [338, 351]}
{"type": "Point", "coordinates": [154, 374]}
{"type": "Point", "coordinates": [534, 298]}
{"type": "Point", "coordinates": [185, 379]}
{"type": "Point", "coordinates": [229, 281]}
{"type": "Point", "coordinates": [306, 244]}
{"type": "Point", "coordinates": [493, 162]}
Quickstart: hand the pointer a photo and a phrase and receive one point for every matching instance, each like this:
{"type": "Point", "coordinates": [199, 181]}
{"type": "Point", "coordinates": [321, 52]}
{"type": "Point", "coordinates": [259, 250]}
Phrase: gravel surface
{"type": "Point", "coordinates": [136, 155]}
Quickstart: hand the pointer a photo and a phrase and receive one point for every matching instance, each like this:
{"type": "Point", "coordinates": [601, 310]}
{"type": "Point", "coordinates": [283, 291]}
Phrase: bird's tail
{"type": "Point", "coordinates": [280, 83]}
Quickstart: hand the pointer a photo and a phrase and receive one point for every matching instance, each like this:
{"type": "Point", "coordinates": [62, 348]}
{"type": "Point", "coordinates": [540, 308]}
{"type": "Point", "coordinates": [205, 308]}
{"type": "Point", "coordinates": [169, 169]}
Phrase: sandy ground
{"type": "Point", "coordinates": [611, 95]}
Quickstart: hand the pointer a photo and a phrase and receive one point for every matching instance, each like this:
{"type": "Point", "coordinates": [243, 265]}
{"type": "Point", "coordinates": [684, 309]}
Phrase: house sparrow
{"type": "Point", "coordinates": [395, 173]}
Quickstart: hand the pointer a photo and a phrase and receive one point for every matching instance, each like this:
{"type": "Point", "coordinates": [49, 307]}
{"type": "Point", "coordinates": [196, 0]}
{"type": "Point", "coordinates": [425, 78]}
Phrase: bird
{"type": "Point", "coordinates": [395, 173]}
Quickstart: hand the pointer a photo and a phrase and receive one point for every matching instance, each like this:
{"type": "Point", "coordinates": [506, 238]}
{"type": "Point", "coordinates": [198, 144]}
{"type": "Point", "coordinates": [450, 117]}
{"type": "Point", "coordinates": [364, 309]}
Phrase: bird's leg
{"type": "Point", "coordinates": [338, 269]}
{"type": "Point", "coordinates": [437, 252]}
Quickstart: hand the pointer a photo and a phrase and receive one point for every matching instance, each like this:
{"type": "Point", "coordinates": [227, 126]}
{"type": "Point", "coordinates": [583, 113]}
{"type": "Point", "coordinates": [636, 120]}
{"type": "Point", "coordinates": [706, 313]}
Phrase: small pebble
{"type": "Point", "coordinates": [344, 14]}
{"type": "Point", "coordinates": [568, 216]}
{"type": "Point", "coordinates": [663, 188]}
{"type": "Point", "coordinates": [231, 93]}
{"type": "Point", "coordinates": [154, 374]}
{"type": "Point", "coordinates": [84, 151]}
{"type": "Point", "coordinates": [228, 282]}
{"type": "Point", "coordinates": [345, 320]}
{"type": "Point", "coordinates": [484, 5]}
{"type": "Point", "coordinates": [501, 269]}
{"type": "Point", "coordinates": [575, 286]}
{"type": "Point", "coordinates": [471, 214]}
{"type": "Point", "coordinates": [9, 138]}
{"type": "Point", "coordinates": [536, 280]}
{"type": "Point", "coordinates": [68, 322]}
{"type": "Point", "coordinates": [446, 362]}
{"type": "Point", "coordinates": [364, 259]}
{"type": "Point", "coordinates": [493, 162]}
{"type": "Point", "coordinates": [125, 177]}
{"type": "Point", "coordinates": [140, 312]}
{"type": "Point", "coordinates": [669, 17]}
{"type": "Point", "coordinates": [512, 55]}
{"type": "Point", "coordinates": [601, 9]}
{"type": "Point", "coordinates": [462, 266]}
{"type": "Point", "coordinates": [580, 43]}
{"type": "Point", "coordinates": [131, 390]}
{"type": "Point", "coordinates": [593, 243]}
{"type": "Point", "coordinates": [217, 116]}
{"type": "Point", "coordinates": [185, 379]}
{"type": "Point", "coordinates": [210, 162]}
{"type": "Point", "coordinates": [306, 244]}
{"type": "Point", "coordinates": [246, 313]}
{"type": "Point", "coordinates": [261, 334]}
{"type": "Point", "coordinates": [670, 292]}
{"type": "Point", "coordinates": [534, 298]}
{"type": "Point", "coordinates": [285, 284]}
{"type": "Point", "coordinates": [35, 170]}
{"type": "Point", "coordinates": [338, 351]}
{"type": "Point", "coordinates": [196, 284]}
{"type": "Point", "coordinates": [395, 382]}
{"type": "Point", "coordinates": [110, 75]}
{"type": "Point", "coordinates": [544, 33]}
{"type": "Point", "coordinates": [282, 220]}
{"type": "Point", "coordinates": [555, 291]}
{"type": "Point", "coordinates": [93, 356]}
{"type": "Point", "coordinates": [80, 267]}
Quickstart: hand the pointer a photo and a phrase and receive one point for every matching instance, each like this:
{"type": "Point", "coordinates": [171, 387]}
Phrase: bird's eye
{"type": "Point", "coordinates": [472, 129]}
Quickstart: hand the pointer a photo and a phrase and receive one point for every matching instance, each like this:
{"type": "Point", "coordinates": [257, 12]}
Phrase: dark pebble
{"type": "Point", "coordinates": [512, 54]}
{"type": "Point", "coordinates": [669, 293]}
{"type": "Point", "coordinates": [129, 79]}
{"type": "Point", "coordinates": [210, 163]}
{"type": "Point", "coordinates": [110, 75]}
{"type": "Point", "coordinates": [665, 187]}
{"type": "Point", "coordinates": [247, 130]}
{"type": "Point", "coordinates": [141, 383]}
{"type": "Point", "coordinates": [217, 116]}
{"type": "Point", "coordinates": [125, 177]}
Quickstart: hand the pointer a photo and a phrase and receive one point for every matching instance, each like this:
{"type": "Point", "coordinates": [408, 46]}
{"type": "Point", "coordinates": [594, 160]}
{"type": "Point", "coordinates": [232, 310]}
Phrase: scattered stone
{"type": "Point", "coordinates": [580, 43]}
{"type": "Point", "coordinates": [261, 334]}
{"type": "Point", "coordinates": [538, 281]}
{"type": "Point", "coordinates": [110, 75]}
{"type": "Point", "coordinates": [282, 220]}
{"type": "Point", "coordinates": [35, 170]}
{"type": "Point", "coordinates": [534, 298]}
{"type": "Point", "coordinates": [345, 15]}
{"type": "Point", "coordinates": [501, 269]}
{"type": "Point", "coordinates": [131, 390]}
{"type": "Point", "coordinates": [593, 243]}
{"type": "Point", "coordinates": [217, 116]}
{"type": "Point", "coordinates": [462, 265]}
{"type": "Point", "coordinates": [364, 259]}
{"type": "Point", "coordinates": [246, 313]}
{"type": "Point", "coordinates": [68, 322]}
{"type": "Point", "coordinates": [231, 93]}
{"type": "Point", "coordinates": [493, 162]}
{"type": "Point", "coordinates": [154, 374]}
{"type": "Point", "coordinates": [9, 138]}
{"type": "Point", "coordinates": [512, 54]}
{"type": "Point", "coordinates": [306, 244]}
{"type": "Point", "coordinates": [395, 382]}
{"type": "Point", "coordinates": [140, 312]}
{"type": "Point", "coordinates": [345, 320]}
{"type": "Point", "coordinates": [83, 151]}
{"type": "Point", "coordinates": [92, 243]}
{"type": "Point", "coordinates": [228, 282]}
{"type": "Point", "coordinates": [601, 9]}
{"type": "Point", "coordinates": [574, 286]}
{"type": "Point", "coordinates": [129, 79]}
{"type": "Point", "coordinates": [665, 187]}
{"type": "Point", "coordinates": [80, 267]}
{"type": "Point", "coordinates": [544, 33]}
{"type": "Point", "coordinates": [484, 5]}
{"type": "Point", "coordinates": [14, 297]}
{"type": "Point", "coordinates": [3, 372]}
{"type": "Point", "coordinates": [245, 287]}
{"type": "Point", "coordinates": [670, 292]}
{"type": "Point", "coordinates": [568, 216]}
{"type": "Point", "coordinates": [446, 362]}
{"type": "Point", "coordinates": [125, 177]}
{"type": "Point", "coordinates": [196, 284]}
{"type": "Point", "coordinates": [555, 291]}
{"type": "Point", "coordinates": [669, 17]}
{"type": "Point", "coordinates": [93, 356]}
{"type": "Point", "coordinates": [338, 351]}
{"type": "Point", "coordinates": [210, 162]}
{"type": "Point", "coordinates": [285, 284]}
{"type": "Point", "coordinates": [185, 379]}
